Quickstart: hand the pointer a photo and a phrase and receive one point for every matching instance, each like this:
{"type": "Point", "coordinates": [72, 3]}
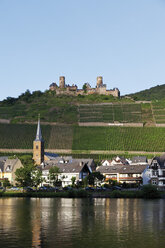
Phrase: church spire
{"type": "Point", "coordinates": [38, 146]}
{"type": "Point", "coordinates": [38, 134]}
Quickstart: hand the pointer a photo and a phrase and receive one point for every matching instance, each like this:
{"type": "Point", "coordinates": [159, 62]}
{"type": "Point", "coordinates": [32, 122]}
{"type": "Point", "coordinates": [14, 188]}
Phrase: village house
{"type": "Point", "coordinates": [131, 174]}
{"type": "Point", "coordinates": [8, 168]}
{"type": "Point", "coordinates": [155, 172]}
{"type": "Point", "coordinates": [139, 160]}
{"type": "Point", "coordinates": [67, 171]}
{"type": "Point", "coordinates": [116, 161]}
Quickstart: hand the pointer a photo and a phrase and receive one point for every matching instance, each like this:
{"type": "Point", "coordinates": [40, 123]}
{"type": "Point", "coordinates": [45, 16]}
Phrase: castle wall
{"type": "Point", "coordinates": [115, 93]}
{"type": "Point", "coordinates": [101, 90]}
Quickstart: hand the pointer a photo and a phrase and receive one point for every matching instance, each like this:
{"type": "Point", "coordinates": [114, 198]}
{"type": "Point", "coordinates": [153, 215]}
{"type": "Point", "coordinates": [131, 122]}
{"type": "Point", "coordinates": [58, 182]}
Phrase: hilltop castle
{"type": "Point", "coordinates": [100, 88]}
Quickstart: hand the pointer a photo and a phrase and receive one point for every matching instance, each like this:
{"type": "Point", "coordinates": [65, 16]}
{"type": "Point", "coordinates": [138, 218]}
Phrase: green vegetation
{"type": "Point", "coordinates": [119, 138]}
{"type": "Point", "coordinates": [24, 174]}
{"type": "Point", "coordinates": [53, 175]}
{"type": "Point", "coordinates": [120, 112]}
{"type": "Point", "coordinates": [52, 108]}
{"type": "Point", "coordinates": [154, 93]}
{"type": "Point", "coordinates": [85, 139]}
{"type": "Point", "coordinates": [159, 111]}
{"type": "Point", "coordinates": [15, 136]}
{"type": "Point", "coordinates": [82, 193]}
{"type": "Point", "coordinates": [88, 108]}
{"type": "Point", "coordinates": [94, 178]}
{"type": "Point", "coordinates": [150, 191]}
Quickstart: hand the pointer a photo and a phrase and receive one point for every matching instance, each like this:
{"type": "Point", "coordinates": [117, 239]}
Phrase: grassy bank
{"type": "Point", "coordinates": [84, 194]}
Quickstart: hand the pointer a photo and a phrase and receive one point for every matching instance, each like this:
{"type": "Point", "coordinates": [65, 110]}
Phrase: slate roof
{"type": "Point", "coordinates": [139, 159]}
{"type": "Point", "coordinates": [68, 160]}
{"type": "Point", "coordinates": [122, 169]}
{"type": "Point", "coordinates": [66, 167]}
{"type": "Point", "coordinates": [2, 162]}
{"type": "Point", "coordinates": [11, 163]}
{"type": "Point", "coordinates": [51, 156]}
{"type": "Point", "coordinates": [139, 168]}
{"type": "Point", "coordinates": [160, 160]}
{"type": "Point", "coordinates": [38, 134]}
{"type": "Point", "coordinates": [109, 169]}
{"type": "Point", "coordinates": [120, 159]}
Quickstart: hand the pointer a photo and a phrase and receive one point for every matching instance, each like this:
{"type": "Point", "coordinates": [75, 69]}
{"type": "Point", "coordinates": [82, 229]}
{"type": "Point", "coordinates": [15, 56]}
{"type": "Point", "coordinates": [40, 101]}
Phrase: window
{"type": "Point", "coordinates": [155, 173]}
{"type": "Point", "coordinates": [154, 182]}
{"type": "Point", "coordinates": [37, 147]}
{"type": "Point", "coordinates": [8, 168]}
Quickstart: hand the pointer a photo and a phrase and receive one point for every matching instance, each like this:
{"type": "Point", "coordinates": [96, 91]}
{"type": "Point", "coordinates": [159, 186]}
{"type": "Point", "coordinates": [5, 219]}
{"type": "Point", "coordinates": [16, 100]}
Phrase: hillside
{"type": "Point", "coordinates": [52, 108]}
{"type": "Point", "coordinates": [83, 109]}
{"type": "Point", "coordinates": [77, 139]}
{"type": "Point", "coordinates": [154, 93]}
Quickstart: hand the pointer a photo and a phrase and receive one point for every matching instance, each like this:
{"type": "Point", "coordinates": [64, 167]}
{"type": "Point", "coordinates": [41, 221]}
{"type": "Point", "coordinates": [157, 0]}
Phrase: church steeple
{"type": "Point", "coordinates": [38, 134]}
{"type": "Point", "coordinates": [38, 146]}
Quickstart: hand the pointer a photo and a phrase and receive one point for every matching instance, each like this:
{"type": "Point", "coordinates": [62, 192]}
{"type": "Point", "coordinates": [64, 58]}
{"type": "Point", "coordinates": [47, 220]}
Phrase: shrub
{"type": "Point", "coordinates": [150, 191]}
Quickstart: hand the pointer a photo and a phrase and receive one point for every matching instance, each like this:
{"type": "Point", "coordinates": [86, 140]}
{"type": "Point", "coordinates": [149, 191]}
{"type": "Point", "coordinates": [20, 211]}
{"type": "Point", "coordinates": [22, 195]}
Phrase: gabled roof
{"type": "Point", "coordinates": [2, 162]}
{"type": "Point", "coordinates": [119, 160]}
{"type": "Point", "coordinates": [130, 169]}
{"type": "Point", "coordinates": [160, 160]}
{"type": "Point", "coordinates": [9, 164]}
{"type": "Point", "coordinates": [139, 159]}
{"type": "Point", "coordinates": [66, 168]}
{"type": "Point", "coordinates": [109, 169]}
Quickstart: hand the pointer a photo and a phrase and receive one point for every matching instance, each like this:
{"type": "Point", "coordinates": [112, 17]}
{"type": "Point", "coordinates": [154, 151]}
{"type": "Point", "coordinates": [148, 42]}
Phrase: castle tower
{"type": "Point", "coordinates": [62, 82]}
{"type": "Point", "coordinates": [38, 146]}
{"type": "Point", "coordinates": [99, 82]}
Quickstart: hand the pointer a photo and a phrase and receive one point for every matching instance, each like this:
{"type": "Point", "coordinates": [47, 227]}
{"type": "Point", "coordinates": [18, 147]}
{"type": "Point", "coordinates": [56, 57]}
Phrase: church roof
{"type": "Point", "coordinates": [38, 134]}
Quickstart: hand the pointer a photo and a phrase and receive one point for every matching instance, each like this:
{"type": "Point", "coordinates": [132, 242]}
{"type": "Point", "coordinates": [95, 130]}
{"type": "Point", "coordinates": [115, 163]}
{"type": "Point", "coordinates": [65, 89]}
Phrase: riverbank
{"type": "Point", "coordinates": [85, 194]}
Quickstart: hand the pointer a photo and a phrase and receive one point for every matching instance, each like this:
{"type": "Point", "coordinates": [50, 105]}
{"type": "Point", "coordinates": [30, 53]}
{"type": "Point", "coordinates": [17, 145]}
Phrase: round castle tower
{"type": "Point", "coordinates": [62, 82]}
{"type": "Point", "coordinates": [99, 82]}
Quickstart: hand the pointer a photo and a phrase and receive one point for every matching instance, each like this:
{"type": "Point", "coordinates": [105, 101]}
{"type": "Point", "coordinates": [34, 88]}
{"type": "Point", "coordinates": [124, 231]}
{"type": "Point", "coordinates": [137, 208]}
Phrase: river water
{"type": "Point", "coordinates": [82, 223]}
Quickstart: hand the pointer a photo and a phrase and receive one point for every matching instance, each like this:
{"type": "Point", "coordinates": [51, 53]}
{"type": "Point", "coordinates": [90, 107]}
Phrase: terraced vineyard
{"type": "Point", "coordinates": [21, 136]}
{"type": "Point", "coordinates": [115, 113]}
{"type": "Point", "coordinates": [159, 111]}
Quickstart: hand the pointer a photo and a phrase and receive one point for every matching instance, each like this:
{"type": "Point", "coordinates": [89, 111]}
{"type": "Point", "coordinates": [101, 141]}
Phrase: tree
{"type": "Point", "coordinates": [24, 174]}
{"type": "Point", "coordinates": [53, 175]}
{"type": "Point", "coordinates": [95, 176]}
{"type": "Point", "coordinates": [37, 177]}
{"type": "Point", "coordinates": [85, 88]}
{"type": "Point", "coordinates": [73, 179]}
{"type": "Point", "coordinates": [6, 182]}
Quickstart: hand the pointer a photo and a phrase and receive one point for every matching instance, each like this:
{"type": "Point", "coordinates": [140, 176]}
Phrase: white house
{"type": "Point", "coordinates": [116, 161]}
{"type": "Point", "coordinates": [155, 172]}
{"type": "Point", "coordinates": [123, 173]}
{"type": "Point", "coordinates": [76, 169]}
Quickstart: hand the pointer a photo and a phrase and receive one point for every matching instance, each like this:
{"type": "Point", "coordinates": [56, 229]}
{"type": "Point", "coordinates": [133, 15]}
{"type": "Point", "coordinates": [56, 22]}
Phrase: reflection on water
{"type": "Point", "coordinates": [80, 223]}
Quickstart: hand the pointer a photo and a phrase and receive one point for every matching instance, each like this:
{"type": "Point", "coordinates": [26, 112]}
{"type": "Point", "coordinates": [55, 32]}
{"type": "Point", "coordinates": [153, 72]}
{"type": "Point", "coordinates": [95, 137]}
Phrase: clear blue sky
{"type": "Point", "coordinates": [122, 40]}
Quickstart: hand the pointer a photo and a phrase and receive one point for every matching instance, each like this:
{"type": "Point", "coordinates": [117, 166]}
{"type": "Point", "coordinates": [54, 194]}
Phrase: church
{"type": "Point", "coordinates": [68, 166]}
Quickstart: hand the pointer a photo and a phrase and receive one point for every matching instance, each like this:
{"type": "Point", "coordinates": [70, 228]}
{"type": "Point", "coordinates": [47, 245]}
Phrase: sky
{"type": "Point", "coordinates": [121, 40]}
